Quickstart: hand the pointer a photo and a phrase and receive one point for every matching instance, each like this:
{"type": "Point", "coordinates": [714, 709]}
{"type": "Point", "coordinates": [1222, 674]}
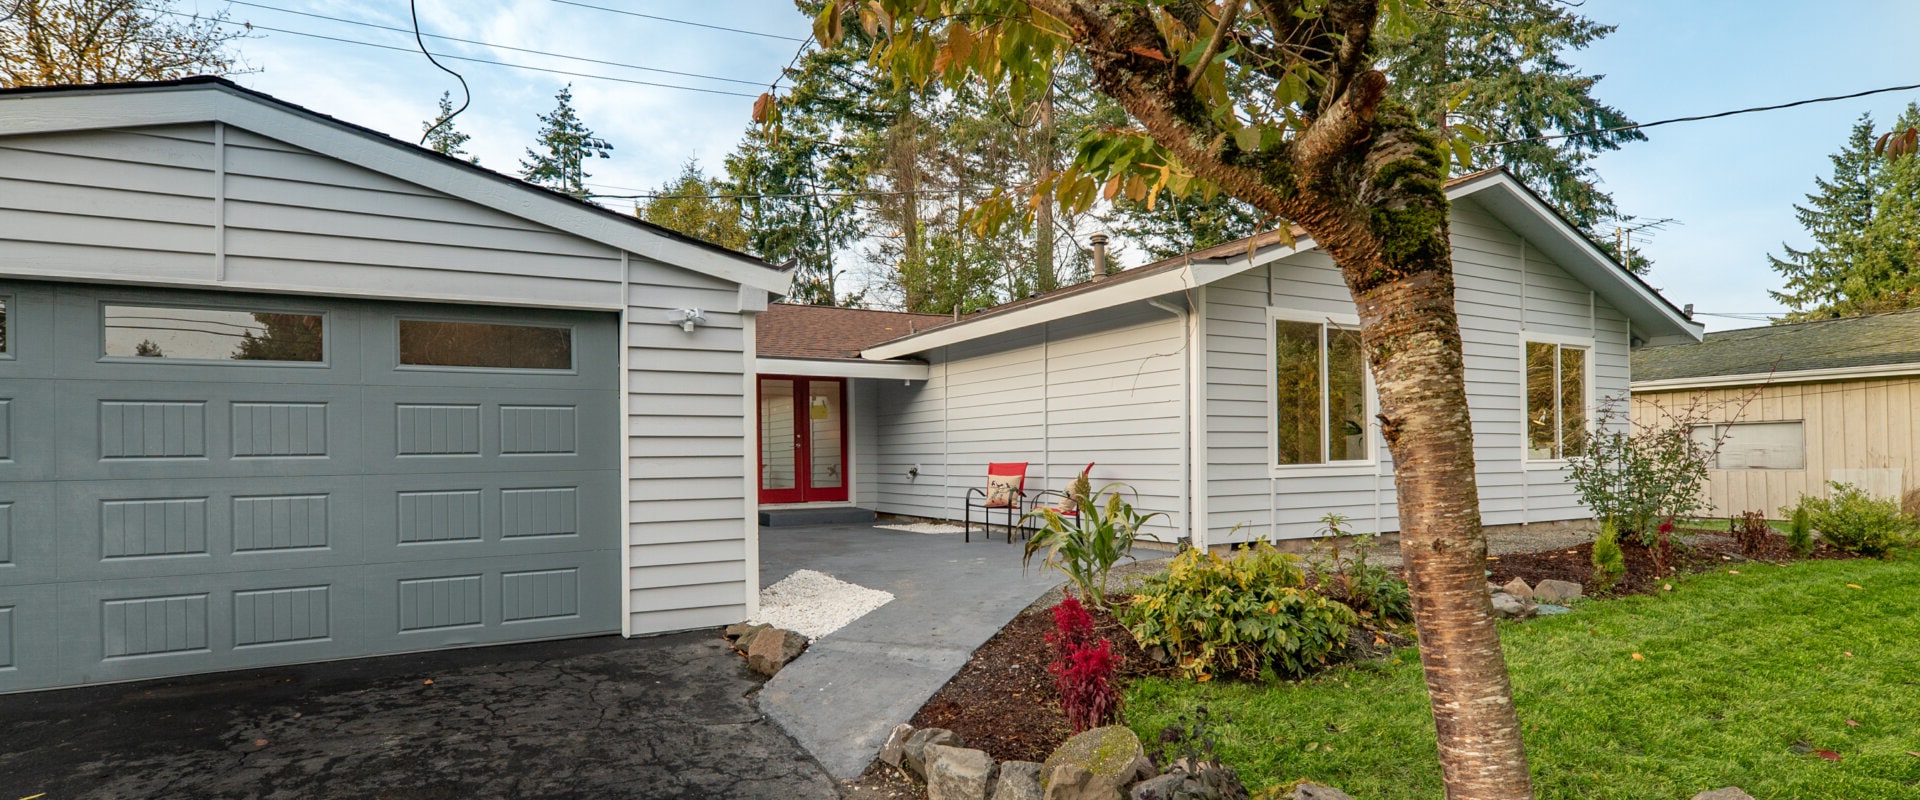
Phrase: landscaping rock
{"type": "Point", "coordinates": [957, 773]}
{"type": "Point", "coordinates": [743, 634]}
{"type": "Point", "coordinates": [1203, 781]}
{"type": "Point", "coordinates": [1552, 591]}
{"type": "Point", "coordinates": [1728, 793]}
{"type": "Point", "coordinates": [914, 752]}
{"type": "Point", "coordinates": [1314, 791]}
{"type": "Point", "coordinates": [1518, 587]}
{"type": "Point", "coordinates": [1512, 606]}
{"type": "Point", "coordinates": [1019, 780]}
{"type": "Point", "coordinates": [1165, 787]}
{"type": "Point", "coordinates": [772, 649]}
{"type": "Point", "coordinates": [1549, 609]}
{"type": "Point", "coordinates": [1096, 765]}
{"type": "Point", "coordinates": [895, 748]}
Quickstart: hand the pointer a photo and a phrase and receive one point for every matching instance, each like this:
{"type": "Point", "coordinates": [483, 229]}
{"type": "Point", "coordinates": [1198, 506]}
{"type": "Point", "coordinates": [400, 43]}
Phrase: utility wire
{"type": "Point", "coordinates": [493, 45]}
{"type": "Point", "coordinates": [467, 93]}
{"type": "Point", "coordinates": [1699, 117]}
{"type": "Point", "coordinates": [677, 21]}
{"type": "Point", "coordinates": [258, 26]}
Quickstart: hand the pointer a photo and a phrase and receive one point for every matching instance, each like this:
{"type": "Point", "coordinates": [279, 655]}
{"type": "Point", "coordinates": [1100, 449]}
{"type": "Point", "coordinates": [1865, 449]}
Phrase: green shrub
{"type": "Point", "coordinates": [1250, 615]}
{"type": "Point", "coordinates": [1347, 574]}
{"type": "Point", "coordinates": [1800, 532]}
{"type": "Point", "coordinates": [1086, 545]}
{"type": "Point", "coordinates": [1856, 522]}
{"type": "Point", "coordinates": [1609, 564]}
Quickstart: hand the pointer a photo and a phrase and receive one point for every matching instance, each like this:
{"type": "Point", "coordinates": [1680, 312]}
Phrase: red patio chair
{"type": "Point", "coordinates": [1006, 489]}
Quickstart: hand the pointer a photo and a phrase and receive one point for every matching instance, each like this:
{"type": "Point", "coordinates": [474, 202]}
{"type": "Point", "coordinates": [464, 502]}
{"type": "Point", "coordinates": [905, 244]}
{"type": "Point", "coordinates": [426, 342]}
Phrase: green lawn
{"type": "Point", "coordinates": [1738, 670]}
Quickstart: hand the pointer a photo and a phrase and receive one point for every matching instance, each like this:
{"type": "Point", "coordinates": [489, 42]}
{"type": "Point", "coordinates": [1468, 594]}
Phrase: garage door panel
{"type": "Point", "coordinates": [131, 529]}
{"type": "Point", "coordinates": [494, 599]}
{"type": "Point", "coordinates": [27, 444]}
{"type": "Point", "coordinates": [166, 319]}
{"type": "Point", "coordinates": [29, 551]}
{"type": "Point", "coordinates": [110, 430]}
{"type": "Point", "coordinates": [29, 645]}
{"type": "Point", "coordinates": [460, 515]}
{"type": "Point", "coordinates": [477, 429]}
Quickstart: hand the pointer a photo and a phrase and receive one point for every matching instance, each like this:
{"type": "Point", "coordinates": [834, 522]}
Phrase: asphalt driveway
{"type": "Point", "coordinates": [665, 717]}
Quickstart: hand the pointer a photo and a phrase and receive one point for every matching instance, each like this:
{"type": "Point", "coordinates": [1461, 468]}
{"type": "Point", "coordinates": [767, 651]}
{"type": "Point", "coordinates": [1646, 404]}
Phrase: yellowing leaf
{"type": "Point", "coordinates": [1638, 657]}
{"type": "Point", "coordinates": [1853, 586]}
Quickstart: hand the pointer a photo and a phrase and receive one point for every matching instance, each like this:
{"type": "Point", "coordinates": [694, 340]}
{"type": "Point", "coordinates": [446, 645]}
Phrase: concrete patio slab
{"type": "Point", "coordinates": [852, 686]}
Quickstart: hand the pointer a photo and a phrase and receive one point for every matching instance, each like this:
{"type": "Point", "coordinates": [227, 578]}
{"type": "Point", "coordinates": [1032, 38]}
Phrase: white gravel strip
{"type": "Point", "coordinates": [924, 527]}
{"type": "Point", "coordinates": [816, 604]}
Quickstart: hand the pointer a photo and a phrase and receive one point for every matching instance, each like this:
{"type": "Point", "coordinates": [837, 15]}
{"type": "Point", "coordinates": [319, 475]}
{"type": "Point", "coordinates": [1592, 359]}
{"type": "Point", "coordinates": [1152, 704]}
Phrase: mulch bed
{"type": "Point", "coordinates": [1709, 550]}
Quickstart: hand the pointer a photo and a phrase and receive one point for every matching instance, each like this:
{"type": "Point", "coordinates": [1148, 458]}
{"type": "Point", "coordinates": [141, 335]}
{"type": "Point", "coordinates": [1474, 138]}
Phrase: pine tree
{"type": "Point", "coordinates": [690, 204]}
{"type": "Point", "coordinates": [445, 139]}
{"type": "Point", "coordinates": [564, 146]}
{"type": "Point", "coordinates": [1865, 224]}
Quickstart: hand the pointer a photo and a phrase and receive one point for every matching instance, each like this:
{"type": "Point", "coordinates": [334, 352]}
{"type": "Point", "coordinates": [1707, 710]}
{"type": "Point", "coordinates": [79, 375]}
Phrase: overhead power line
{"type": "Point", "coordinates": [494, 45]}
{"type": "Point", "coordinates": [678, 21]}
{"type": "Point", "coordinates": [466, 93]}
{"type": "Point", "coordinates": [1699, 117]}
{"type": "Point", "coordinates": [469, 59]}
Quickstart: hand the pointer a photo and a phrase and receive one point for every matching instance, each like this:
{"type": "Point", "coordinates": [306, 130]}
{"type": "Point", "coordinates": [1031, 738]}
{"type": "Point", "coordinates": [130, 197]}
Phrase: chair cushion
{"type": "Point", "coordinates": [1003, 490]}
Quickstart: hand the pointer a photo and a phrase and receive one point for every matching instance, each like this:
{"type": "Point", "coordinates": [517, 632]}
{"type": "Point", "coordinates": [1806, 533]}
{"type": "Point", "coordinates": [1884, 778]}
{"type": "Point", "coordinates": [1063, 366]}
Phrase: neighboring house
{"type": "Point", "coordinates": [1796, 406]}
{"type": "Point", "coordinates": [1225, 386]}
{"type": "Point", "coordinates": [277, 388]}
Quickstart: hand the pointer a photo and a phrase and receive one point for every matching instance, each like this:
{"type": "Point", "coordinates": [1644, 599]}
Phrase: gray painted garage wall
{"type": "Point", "coordinates": [1495, 302]}
{"type": "Point", "coordinates": [1105, 388]}
{"type": "Point", "coordinates": [213, 206]}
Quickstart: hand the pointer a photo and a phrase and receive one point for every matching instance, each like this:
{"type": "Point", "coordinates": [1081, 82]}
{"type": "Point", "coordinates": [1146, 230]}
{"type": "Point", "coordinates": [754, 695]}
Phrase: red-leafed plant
{"type": "Point", "coordinates": [1082, 669]}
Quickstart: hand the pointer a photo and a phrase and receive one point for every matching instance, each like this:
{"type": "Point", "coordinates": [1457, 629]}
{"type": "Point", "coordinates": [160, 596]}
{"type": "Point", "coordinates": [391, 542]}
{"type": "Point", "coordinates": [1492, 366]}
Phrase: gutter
{"type": "Point", "coordinates": [1761, 378]}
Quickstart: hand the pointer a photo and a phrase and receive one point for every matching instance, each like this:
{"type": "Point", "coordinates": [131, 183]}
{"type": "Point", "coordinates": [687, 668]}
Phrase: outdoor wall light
{"type": "Point", "coordinates": [689, 317]}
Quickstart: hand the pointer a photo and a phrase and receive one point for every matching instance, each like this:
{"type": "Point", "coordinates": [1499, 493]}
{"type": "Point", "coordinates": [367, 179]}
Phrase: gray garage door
{"type": "Point", "coordinates": [193, 482]}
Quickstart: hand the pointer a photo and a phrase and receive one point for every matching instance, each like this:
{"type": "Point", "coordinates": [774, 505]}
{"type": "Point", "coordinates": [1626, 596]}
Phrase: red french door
{"type": "Point", "coordinates": [803, 439]}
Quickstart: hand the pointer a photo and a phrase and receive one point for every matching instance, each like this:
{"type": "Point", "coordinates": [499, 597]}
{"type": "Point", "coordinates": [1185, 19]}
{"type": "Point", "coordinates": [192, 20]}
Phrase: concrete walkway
{"type": "Point", "coordinates": [852, 686]}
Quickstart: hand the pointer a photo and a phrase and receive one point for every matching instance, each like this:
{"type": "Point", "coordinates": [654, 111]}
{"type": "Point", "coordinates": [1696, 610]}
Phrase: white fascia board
{"type": "Point", "coordinates": [842, 368]}
{"type": "Point", "coordinates": [119, 108]}
{"type": "Point", "coordinates": [1095, 299]}
{"type": "Point", "coordinates": [1514, 205]}
{"type": "Point", "coordinates": [1764, 378]}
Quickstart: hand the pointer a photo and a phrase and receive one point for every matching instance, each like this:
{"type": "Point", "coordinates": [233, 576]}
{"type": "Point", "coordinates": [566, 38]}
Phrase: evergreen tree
{"type": "Point", "coordinates": [446, 139]}
{"type": "Point", "coordinates": [564, 146]}
{"type": "Point", "coordinates": [1865, 224]}
{"type": "Point", "coordinates": [694, 204]}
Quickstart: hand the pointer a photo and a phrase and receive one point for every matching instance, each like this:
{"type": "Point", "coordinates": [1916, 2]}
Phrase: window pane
{"type": "Point", "coordinates": [1296, 382]}
{"type": "Point", "coordinates": [427, 343]}
{"type": "Point", "coordinates": [1573, 402]}
{"type": "Point", "coordinates": [778, 440]}
{"type": "Point", "coordinates": [3, 324]}
{"type": "Point", "coordinates": [823, 435]}
{"type": "Point", "coordinates": [1346, 396]}
{"type": "Point", "coordinates": [1541, 408]}
{"type": "Point", "coordinates": [213, 334]}
{"type": "Point", "coordinates": [1761, 445]}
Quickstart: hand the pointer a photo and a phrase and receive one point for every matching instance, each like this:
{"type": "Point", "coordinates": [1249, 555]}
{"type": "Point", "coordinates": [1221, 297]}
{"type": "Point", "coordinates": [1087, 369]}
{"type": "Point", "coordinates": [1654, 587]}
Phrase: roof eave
{"type": "Point", "coordinates": [1793, 376]}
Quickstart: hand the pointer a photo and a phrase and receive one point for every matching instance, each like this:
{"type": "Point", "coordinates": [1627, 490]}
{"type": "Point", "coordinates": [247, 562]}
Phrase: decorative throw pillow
{"type": "Point", "coordinates": [1002, 490]}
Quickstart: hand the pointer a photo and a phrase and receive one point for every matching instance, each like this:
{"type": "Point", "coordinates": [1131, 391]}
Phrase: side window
{"type": "Point", "coordinates": [1319, 399]}
{"type": "Point", "coordinates": [1756, 445]}
{"type": "Point", "coordinates": [484, 345]}
{"type": "Point", "coordinates": [192, 333]}
{"type": "Point", "coordinates": [1556, 401]}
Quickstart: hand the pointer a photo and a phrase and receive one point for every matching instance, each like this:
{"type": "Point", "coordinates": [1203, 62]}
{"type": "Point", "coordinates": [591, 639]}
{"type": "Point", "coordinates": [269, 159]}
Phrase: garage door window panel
{"type": "Point", "coordinates": [6, 327]}
{"type": "Point", "coordinates": [448, 344]}
{"type": "Point", "coordinates": [208, 334]}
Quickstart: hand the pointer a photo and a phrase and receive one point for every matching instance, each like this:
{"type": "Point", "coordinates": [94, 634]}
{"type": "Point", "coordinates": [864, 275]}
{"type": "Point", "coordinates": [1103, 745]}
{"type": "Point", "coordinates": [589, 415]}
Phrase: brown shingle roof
{"type": "Point", "coordinates": [787, 330]}
{"type": "Point", "coordinates": [1875, 340]}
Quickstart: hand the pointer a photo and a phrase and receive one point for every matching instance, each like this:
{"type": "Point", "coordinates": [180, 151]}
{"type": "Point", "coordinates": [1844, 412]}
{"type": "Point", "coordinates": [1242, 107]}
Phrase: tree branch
{"type": "Point", "coordinates": [1220, 30]}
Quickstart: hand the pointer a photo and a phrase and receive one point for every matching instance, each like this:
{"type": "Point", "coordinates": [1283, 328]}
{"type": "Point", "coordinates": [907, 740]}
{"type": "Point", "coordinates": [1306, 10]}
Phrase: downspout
{"type": "Point", "coordinates": [1195, 533]}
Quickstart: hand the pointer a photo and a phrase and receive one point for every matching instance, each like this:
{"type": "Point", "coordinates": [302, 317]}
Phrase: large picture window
{"type": "Point", "coordinates": [1319, 397]}
{"type": "Point", "coordinates": [1556, 401]}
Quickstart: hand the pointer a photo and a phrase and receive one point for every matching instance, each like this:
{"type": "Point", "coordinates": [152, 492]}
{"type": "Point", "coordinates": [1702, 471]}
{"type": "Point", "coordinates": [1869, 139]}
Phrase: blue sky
{"type": "Point", "coordinates": [1730, 183]}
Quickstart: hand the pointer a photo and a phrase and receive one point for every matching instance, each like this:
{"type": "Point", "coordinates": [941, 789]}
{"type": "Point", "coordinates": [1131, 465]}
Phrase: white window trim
{"type": "Point", "coordinates": [1367, 467]}
{"type": "Point", "coordinates": [1588, 379]}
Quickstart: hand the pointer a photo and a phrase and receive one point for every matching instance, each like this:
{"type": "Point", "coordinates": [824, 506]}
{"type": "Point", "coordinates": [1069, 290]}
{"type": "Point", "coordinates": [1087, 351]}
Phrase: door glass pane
{"type": "Point", "coordinates": [3, 323]}
{"type": "Point", "coordinates": [777, 440]}
{"type": "Point", "coordinates": [212, 334]}
{"type": "Point", "coordinates": [1542, 427]}
{"type": "Point", "coordinates": [432, 343]}
{"type": "Point", "coordinates": [1346, 396]}
{"type": "Point", "coordinates": [823, 435]}
{"type": "Point", "coordinates": [1573, 402]}
{"type": "Point", "coordinates": [1296, 384]}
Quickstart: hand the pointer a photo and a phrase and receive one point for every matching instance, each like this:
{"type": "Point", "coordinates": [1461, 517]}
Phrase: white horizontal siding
{"type": "Point", "coordinates": [1495, 302]}
{"type": "Point", "coordinates": [1104, 388]}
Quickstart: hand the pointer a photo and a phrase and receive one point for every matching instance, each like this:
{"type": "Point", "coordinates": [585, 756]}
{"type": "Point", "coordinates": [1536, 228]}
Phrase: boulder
{"type": "Point", "coordinates": [1726, 793]}
{"type": "Point", "coordinates": [914, 752]}
{"type": "Point", "coordinates": [1165, 787]}
{"type": "Point", "coordinates": [895, 748]}
{"type": "Point", "coordinates": [1513, 606]}
{"type": "Point", "coordinates": [1549, 609]}
{"type": "Point", "coordinates": [772, 649]}
{"type": "Point", "coordinates": [1019, 780]}
{"type": "Point", "coordinates": [1096, 765]}
{"type": "Point", "coordinates": [743, 634]}
{"type": "Point", "coordinates": [1552, 591]}
{"type": "Point", "coordinates": [1203, 781]}
{"type": "Point", "coordinates": [1314, 791]}
{"type": "Point", "coordinates": [1518, 587]}
{"type": "Point", "coordinates": [957, 773]}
